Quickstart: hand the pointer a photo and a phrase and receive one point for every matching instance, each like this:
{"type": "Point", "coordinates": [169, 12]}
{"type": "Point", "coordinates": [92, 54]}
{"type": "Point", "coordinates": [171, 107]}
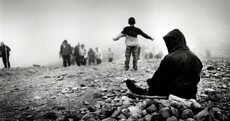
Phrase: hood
{"type": "Point", "coordinates": [175, 40]}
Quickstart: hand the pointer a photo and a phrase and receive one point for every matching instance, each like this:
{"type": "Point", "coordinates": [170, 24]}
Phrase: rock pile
{"type": "Point", "coordinates": [173, 109]}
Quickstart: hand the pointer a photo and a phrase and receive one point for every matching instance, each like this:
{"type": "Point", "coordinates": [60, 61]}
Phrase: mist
{"type": "Point", "coordinates": [35, 29]}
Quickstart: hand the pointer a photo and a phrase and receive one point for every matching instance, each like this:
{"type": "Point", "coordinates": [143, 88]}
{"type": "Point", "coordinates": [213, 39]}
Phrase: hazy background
{"type": "Point", "coordinates": [35, 29]}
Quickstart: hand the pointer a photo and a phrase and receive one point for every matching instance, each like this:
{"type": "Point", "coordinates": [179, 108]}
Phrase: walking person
{"type": "Point", "coordinates": [130, 33]}
{"type": "Point", "coordinates": [82, 52]}
{"type": "Point", "coordinates": [91, 56]}
{"type": "Point", "coordinates": [65, 52]}
{"type": "Point", "coordinates": [5, 53]}
{"type": "Point", "coordinates": [98, 55]}
{"type": "Point", "coordinates": [110, 55]}
{"type": "Point", "coordinates": [77, 54]}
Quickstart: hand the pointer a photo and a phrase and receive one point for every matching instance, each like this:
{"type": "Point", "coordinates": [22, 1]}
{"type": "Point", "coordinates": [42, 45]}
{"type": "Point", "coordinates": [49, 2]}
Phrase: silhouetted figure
{"type": "Point", "coordinates": [77, 54]}
{"type": "Point", "coordinates": [65, 52]}
{"type": "Point", "coordinates": [178, 73]}
{"type": "Point", "coordinates": [130, 33]}
{"type": "Point", "coordinates": [98, 55]}
{"type": "Point", "coordinates": [110, 55]}
{"type": "Point", "coordinates": [82, 52]}
{"type": "Point", "coordinates": [5, 54]}
{"type": "Point", "coordinates": [91, 56]}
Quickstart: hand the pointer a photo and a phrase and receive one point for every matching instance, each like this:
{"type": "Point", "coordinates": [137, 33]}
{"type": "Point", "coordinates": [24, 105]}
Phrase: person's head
{"type": "Point", "coordinates": [82, 45]}
{"type": "Point", "coordinates": [175, 40]}
{"type": "Point", "coordinates": [131, 21]}
{"type": "Point", "coordinates": [78, 44]}
{"type": "Point", "coordinates": [96, 49]}
{"type": "Point", "coordinates": [65, 42]}
{"type": "Point", "coordinates": [109, 49]}
{"type": "Point", "coordinates": [2, 43]}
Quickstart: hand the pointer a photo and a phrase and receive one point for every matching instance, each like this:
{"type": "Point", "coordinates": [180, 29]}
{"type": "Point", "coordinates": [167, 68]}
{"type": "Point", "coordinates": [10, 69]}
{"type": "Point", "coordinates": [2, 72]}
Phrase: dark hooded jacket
{"type": "Point", "coordinates": [179, 71]}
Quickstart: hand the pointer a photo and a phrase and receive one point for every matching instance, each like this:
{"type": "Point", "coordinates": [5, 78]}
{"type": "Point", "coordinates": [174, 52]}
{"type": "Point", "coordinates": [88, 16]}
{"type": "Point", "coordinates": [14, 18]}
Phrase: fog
{"type": "Point", "coordinates": [35, 29]}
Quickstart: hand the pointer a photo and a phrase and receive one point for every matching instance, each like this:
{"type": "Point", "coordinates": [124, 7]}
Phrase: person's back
{"type": "Point", "coordinates": [130, 33]}
{"type": "Point", "coordinates": [179, 71]}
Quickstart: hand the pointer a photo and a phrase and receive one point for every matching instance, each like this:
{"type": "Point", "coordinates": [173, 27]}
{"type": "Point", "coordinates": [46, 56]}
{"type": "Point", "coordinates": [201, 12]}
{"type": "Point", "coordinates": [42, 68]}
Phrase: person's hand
{"type": "Point", "coordinates": [114, 39]}
{"type": "Point", "coordinates": [151, 39]}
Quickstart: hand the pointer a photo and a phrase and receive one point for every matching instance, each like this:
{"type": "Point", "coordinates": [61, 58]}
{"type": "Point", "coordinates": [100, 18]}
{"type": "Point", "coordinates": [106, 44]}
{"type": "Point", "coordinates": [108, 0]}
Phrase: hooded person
{"type": "Point", "coordinates": [178, 73]}
{"type": "Point", "coordinates": [65, 51]}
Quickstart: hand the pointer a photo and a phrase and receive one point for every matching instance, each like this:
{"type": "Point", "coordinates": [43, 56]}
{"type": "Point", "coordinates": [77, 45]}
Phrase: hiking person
{"type": "Point", "coordinates": [77, 54]}
{"type": "Point", "coordinates": [82, 52]}
{"type": "Point", "coordinates": [110, 55]}
{"type": "Point", "coordinates": [130, 33]}
{"type": "Point", "coordinates": [98, 55]}
{"type": "Point", "coordinates": [72, 57]}
{"type": "Point", "coordinates": [91, 56]}
{"type": "Point", "coordinates": [85, 57]}
{"type": "Point", "coordinates": [5, 54]}
{"type": "Point", "coordinates": [178, 73]}
{"type": "Point", "coordinates": [65, 52]}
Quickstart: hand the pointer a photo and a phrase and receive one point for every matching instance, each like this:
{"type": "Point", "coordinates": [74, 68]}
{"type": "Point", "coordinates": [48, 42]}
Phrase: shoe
{"type": "Point", "coordinates": [135, 89]}
{"type": "Point", "coordinates": [135, 68]}
{"type": "Point", "coordinates": [126, 69]}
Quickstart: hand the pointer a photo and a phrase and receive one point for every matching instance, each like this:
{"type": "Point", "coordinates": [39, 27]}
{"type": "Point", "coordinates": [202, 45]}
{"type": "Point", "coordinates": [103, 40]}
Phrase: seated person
{"type": "Point", "coordinates": [178, 73]}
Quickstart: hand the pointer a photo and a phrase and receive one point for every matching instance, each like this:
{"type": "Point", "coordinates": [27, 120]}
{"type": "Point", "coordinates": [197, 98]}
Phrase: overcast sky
{"type": "Point", "coordinates": [35, 29]}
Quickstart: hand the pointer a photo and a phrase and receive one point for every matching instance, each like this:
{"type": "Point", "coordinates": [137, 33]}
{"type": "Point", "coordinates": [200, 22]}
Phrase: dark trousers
{"type": "Point", "coordinates": [91, 60]}
{"type": "Point", "coordinates": [98, 61]}
{"type": "Point", "coordinates": [110, 59]}
{"type": "Point", "coordinates": [66, 60]}
{"type": "Point", "coordinates": [84, 60]}
{"type": "Point", "coordinates": [131, 50]}
{"type": "Point", "coordinates": [6, 62]}
{"type": "Point", "coordinates": [78, 60]}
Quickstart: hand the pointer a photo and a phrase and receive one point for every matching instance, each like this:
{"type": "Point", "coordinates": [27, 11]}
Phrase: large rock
{"type": "Point", "coordinates": [151, 109]}
{"type": "Point", "coordinates": [203, 115]}
{"type": "Point", "coordinates": [175, 112]}
{"type": "Point", "coordinates": [172, 118]}
{"type": "Point", "coordinates": [165, 112]}
{"type": "Point", "coordinates": [135, 111]}
{"type": "Point", "coordinates": [187, 113]}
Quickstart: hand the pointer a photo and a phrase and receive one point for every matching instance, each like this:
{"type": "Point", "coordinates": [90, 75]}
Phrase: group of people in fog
{"type": "Point", "coordinates": [178, 72]}
{"type": "Point", "coordinates": [79, 55]}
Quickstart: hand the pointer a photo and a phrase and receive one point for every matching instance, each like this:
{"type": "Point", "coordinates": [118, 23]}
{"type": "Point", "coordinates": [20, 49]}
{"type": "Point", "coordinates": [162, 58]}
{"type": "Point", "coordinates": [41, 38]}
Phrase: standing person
{"type": "Point", "coordinates": [82, 52]}
{"type": "Point", "coordinates": [77, 54]}
{"type": "Point", "coordinates": [110, 55]}
{"type": "Point", "coordinates": [91, 55]}
{"type": "Point", "coordinates": [5, 52]}
{"type": "Point", "coordinates": [65, 52]}
{"type": "Point", "coordinates": [72, 57]}
{"type": "Point", "coordinates": [178, 73]}
{"type": "Point", "coordinates": [85, 57]}
{"type": "Point", "coordinates": [130, 33]}
{"type": "Point", "coordinates": [98, 55]}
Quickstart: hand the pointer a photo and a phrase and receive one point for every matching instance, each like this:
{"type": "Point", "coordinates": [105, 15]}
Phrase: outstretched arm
{"type": "Point", "coordinates": [118, 37]}
{"type": "Point", "coordinates": [145, 35]}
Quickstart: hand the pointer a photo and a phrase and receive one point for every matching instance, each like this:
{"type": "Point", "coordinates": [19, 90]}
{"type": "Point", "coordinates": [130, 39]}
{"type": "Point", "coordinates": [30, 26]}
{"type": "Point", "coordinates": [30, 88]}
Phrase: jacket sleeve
{"type": "Point", "coordinates": [119, 36]}
{"type": "Point", "coordinates": [144, 35]}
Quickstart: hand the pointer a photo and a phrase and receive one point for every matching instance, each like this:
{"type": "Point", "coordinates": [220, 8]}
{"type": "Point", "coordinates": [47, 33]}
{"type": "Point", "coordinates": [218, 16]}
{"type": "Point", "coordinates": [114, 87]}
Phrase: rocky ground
{"type": "Point", "coordinates": [95, 93]}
